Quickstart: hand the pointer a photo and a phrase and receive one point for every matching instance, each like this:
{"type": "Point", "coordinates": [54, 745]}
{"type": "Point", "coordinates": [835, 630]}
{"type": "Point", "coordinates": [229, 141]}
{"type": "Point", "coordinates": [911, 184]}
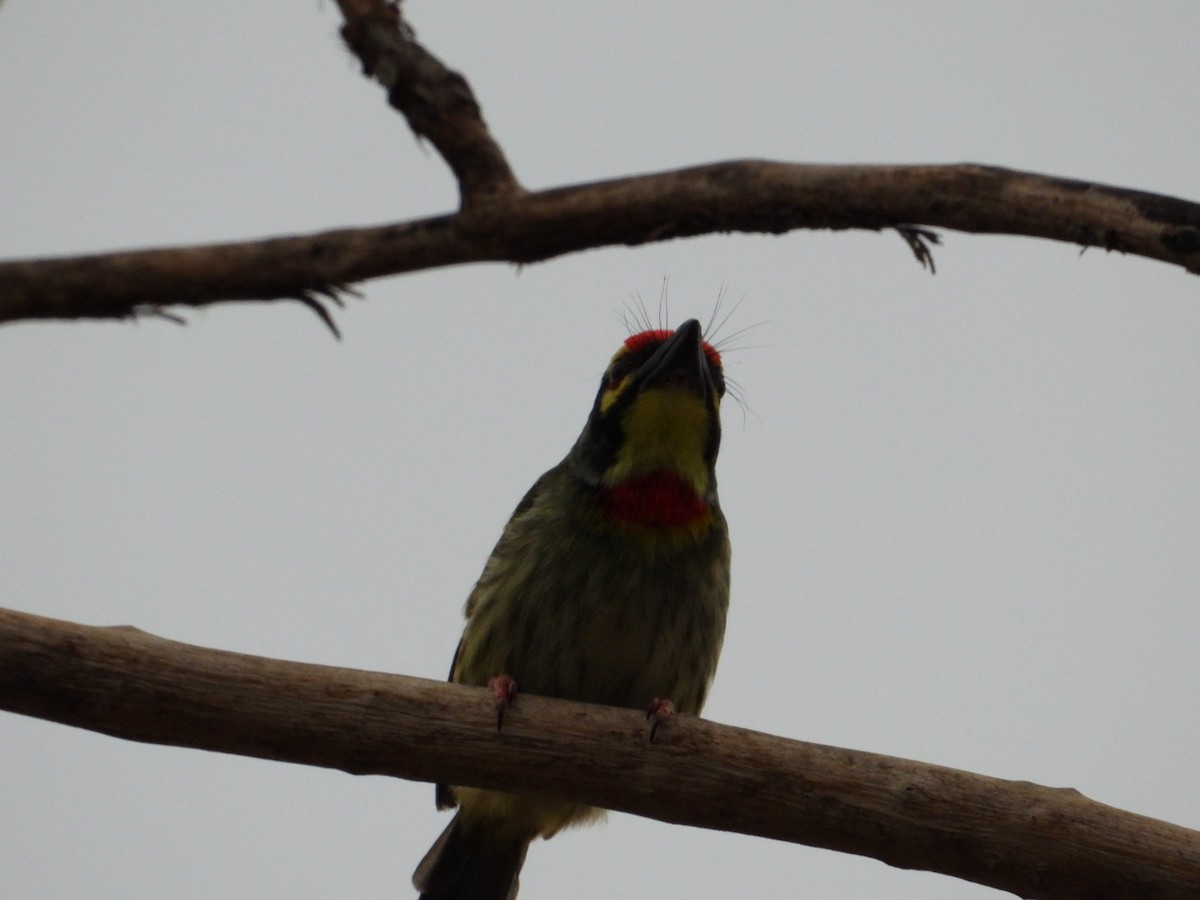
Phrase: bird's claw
{"type": "Point", "coordinates": [504, 695]}
{"type": "Point", "coordinates": [659, 711]}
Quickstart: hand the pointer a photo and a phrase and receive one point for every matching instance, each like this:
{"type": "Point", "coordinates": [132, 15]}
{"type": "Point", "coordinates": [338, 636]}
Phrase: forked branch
{"type": "Point", "coordinates": [500, 222]}
{"type": "Point", "coordinates": [437, 102]}
{"type": "Point", "coordinates": [745, 196]}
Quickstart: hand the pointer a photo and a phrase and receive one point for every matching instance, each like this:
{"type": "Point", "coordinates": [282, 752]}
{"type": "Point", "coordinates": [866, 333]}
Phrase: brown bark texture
{"type": "Point", "coordinates": [499, 221]}
{"type": "Point", "coordinates": [1033, 841]}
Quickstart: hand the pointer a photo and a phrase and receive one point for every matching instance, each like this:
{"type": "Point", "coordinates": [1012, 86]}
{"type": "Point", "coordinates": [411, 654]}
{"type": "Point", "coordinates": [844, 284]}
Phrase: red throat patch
{"type": "Point", "coordinates": [655, 500]}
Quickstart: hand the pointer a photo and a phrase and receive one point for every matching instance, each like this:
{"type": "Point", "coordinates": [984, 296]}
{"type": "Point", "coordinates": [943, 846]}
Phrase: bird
{"type": "Point", "coordinates": [609, 584]}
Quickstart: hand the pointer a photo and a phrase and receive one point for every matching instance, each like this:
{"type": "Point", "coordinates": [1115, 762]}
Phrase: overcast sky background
{"type": "Point", "coordinates": [965, 509]}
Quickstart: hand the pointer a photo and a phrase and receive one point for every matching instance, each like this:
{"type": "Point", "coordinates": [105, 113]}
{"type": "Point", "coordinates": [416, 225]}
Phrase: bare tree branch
{"type": "Point", "coordinates": [437, 102]}
{"type": "Point", "coordinates": [746, 196]}
{"type": "Point", "coordinates": [500, 222]}
{"type": "Point", "coordinates": [1016, 836]}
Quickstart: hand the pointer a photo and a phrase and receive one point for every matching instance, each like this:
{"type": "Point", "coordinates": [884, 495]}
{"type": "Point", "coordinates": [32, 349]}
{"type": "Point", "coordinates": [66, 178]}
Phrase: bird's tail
{"type": "Point", "coordinates": [472, 860]}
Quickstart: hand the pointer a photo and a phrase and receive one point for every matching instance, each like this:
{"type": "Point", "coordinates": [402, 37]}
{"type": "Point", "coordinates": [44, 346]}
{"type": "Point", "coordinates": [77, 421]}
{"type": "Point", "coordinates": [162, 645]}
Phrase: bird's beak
{"type": "Point", "coordinates": [678, 363]}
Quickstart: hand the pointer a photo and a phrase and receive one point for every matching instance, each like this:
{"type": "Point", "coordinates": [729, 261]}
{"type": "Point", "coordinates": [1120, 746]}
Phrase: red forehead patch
{"type": "Point", "coordinates": [644, 340]}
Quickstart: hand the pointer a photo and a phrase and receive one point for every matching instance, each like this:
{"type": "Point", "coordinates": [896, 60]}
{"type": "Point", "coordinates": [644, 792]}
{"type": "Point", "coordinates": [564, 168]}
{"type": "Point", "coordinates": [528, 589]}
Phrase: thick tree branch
{"type": "Point", "coordinates": [746, 196]}
{"type": "Point", "coordinates": [1016, 836]}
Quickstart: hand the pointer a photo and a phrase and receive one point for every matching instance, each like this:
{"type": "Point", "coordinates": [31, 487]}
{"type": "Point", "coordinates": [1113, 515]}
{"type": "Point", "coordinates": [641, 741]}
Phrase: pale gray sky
{"type": "Point", "coordinates": [965, 508]}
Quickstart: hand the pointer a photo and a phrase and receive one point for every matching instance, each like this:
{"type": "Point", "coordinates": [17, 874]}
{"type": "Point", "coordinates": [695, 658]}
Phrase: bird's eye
{"type": "Point", "coordinates": [618, 372]}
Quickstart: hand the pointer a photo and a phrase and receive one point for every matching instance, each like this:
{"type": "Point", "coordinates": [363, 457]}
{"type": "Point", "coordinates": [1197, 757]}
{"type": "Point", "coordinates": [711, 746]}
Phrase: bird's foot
{"type": "Point", "coordinates": [504, 695]}
{"type": "Point", "coordinates": [660, 711]}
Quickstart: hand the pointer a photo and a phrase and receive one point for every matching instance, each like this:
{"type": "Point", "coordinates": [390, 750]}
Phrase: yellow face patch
{"type": "Point", "coordinates": [615, 388]}
{"type": "Point", "coordinates": [610, 395]}
{"type": "Point", "coordinates": [665, 429]}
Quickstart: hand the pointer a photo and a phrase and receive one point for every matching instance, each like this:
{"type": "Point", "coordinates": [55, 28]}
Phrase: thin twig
{"type": "Point", "coordinates": [919, 241]}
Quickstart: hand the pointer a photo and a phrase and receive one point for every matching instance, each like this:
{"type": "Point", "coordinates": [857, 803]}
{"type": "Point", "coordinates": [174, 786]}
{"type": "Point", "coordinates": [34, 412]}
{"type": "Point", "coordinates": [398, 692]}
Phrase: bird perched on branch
{"type": "Point", "coordinates": [609, 585]}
